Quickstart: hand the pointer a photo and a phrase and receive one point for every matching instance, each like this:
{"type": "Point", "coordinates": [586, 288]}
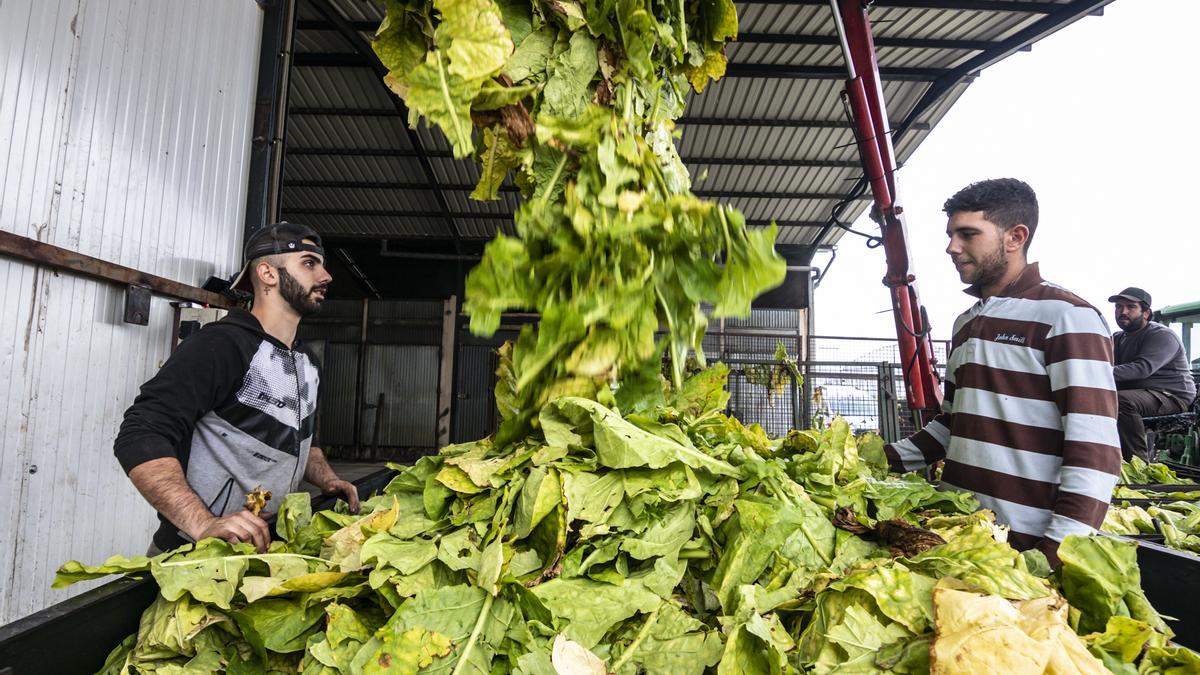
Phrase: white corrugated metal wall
{"type": "Point", "coordinates": [124, 134]}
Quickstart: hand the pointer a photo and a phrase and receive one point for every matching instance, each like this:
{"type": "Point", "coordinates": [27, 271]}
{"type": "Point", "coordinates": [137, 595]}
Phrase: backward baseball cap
{"type": "Point", "coordinates": [275, 239]}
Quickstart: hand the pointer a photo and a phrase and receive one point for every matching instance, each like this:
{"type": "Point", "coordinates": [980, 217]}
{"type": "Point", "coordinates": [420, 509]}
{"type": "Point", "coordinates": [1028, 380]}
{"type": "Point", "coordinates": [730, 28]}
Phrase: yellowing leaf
{"type": "Point", "coordinates": [408, 652]}
{"type": "Point", "coordinates": [986, 633]}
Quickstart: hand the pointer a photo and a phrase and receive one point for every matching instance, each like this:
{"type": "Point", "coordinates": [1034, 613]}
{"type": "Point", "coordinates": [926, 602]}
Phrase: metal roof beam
{"type": "Point", "coordinates": [685, 121]}
{"type": "Point", "coordinates": [753, 38]}
{"type": "Point", "coordinates": [737, 70]}
{"type": "Point", "coordinates": [348, 112]}
{"type": "Point", "coordinates": [832, 41]}
{"type": "Point", "coordinates": [713, 161]}
{"type": "Point", "coordinates": [806, 72]}
{"type": "Point", "coordinates": [962, 5]}
{"type": "Point", "coordinates": [492, 215]}
{"type": "Point", "coordinates": [364, 52]}
{"type": "Point", "coordinates": [966, 5]}
{"type": "Point", "coordinates": [460, 187]}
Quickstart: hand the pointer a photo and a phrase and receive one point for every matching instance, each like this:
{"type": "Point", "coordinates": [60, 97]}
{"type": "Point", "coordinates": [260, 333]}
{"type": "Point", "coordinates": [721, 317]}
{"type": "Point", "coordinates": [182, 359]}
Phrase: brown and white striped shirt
{"type": "Point", "coordinates": [1030, 421]}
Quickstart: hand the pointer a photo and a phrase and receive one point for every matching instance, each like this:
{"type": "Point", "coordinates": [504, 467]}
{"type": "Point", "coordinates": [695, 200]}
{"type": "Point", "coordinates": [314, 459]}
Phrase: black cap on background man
{"type": "Point", "coordinates": [1132, 294]}
{"type": "Point", "coordinates": [275, 239]}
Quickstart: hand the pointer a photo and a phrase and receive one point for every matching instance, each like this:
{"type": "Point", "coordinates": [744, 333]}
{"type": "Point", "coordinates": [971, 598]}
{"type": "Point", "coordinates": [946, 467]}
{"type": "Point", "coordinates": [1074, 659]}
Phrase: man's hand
{"type": "Point", "coordinates": [236, 528]}
{"type": "Point", "coordinates": [346, 489]}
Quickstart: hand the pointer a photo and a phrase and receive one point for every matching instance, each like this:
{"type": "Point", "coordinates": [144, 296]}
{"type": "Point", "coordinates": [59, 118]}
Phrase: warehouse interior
{"type": "Point", "coordinates": [773, 137]}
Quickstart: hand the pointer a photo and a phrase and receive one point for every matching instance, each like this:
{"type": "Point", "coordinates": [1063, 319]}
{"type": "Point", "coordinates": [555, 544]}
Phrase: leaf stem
{"type": "Point", "coordinates": [637, 640]}
{"type": "Point", "coordinates": [484, 612]}
{"type": "Point", "coordinates": [562, 163]}
{"type": "Point", "coordinates": [247, 556]}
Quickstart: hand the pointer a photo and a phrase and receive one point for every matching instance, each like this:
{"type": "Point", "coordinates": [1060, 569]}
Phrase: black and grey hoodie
{"type": "Point", "coordinates": [236, 407]}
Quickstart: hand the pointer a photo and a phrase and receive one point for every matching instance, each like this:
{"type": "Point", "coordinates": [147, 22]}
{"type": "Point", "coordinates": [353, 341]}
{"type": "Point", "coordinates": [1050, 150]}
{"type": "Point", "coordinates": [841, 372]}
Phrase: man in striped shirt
{"type": "Point", "coordinates": [1030, 414]}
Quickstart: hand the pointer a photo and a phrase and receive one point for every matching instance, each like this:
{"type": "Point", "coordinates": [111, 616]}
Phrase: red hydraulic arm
{"type": "Point", "coordinates": [865, 95]}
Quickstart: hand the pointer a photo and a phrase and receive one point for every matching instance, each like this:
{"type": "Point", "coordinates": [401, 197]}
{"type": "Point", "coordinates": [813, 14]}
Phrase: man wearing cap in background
{"type": "Point", "coordinates": [234, 407]}
{"type": "Point", "coordinates": [1151, 371]}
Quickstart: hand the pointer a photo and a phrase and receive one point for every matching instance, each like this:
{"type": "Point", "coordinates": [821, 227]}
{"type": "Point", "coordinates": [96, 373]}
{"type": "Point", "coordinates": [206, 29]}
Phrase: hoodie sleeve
{"type": "Point", "coordinates": [203, 371]}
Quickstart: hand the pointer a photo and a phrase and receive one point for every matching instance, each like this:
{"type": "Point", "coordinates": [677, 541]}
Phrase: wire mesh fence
{"type": "Point", "coordinates": [763, 391]}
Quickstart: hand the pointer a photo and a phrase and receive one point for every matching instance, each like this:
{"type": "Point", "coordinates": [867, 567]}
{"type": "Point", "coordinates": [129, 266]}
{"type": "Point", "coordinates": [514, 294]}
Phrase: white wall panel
{"type": "Point", "coordinates": [124, 134]}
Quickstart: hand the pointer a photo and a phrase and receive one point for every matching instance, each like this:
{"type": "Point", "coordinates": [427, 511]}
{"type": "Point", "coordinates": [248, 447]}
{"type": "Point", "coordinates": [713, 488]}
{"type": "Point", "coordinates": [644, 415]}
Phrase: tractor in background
{"type": "Point", "coordinates": [1176, 438]}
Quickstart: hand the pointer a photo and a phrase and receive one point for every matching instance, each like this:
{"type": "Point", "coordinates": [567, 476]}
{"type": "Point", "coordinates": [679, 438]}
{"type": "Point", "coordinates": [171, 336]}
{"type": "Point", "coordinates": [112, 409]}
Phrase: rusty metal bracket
{"type": "Point", "coordinates": [137, 305]}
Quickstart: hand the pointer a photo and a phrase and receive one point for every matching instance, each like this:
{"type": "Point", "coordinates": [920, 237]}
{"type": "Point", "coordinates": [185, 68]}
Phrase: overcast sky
{"type": "Point", "coordinates": [1100, 119]}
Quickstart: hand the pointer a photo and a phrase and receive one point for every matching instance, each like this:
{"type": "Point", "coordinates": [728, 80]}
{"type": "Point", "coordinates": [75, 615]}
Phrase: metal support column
{"type": "Point", "coordinates": [270, 113]}
{"type": "Point", "coordinates": [446, 372]}
{"type": "Point", "coordinates": [889, 418]}
{"type": "Point", "coordinates": [360, 379]}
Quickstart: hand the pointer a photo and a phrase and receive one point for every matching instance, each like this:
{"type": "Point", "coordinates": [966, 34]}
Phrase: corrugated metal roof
{"type": "Point", "coordinates": [777, 145]}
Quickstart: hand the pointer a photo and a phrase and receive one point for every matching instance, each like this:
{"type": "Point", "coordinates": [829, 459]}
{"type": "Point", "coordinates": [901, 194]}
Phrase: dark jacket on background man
{"type": "Point", "coordinates": [236, 406]}
{"type": "Point", "coordinates": [1153, 358]}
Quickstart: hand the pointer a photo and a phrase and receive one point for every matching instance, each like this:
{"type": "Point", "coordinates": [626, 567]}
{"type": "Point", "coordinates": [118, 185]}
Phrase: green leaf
{"type": "Point", "coordinates": [454, 611]}
{"type": "Point", "coordinates": [210, 573]}
{"type": "Point", "coordinates": [474, 36]}
{"type": "Point", "coordinates": [445, 99]}
{"type": "Point", "coordinates": [1100, 578]}
{"type": "Point", "coordinates": [606, 605]}
{"type": "Point", "coordinates": [902, 596]}
{"type": "Point", "coordinates": [277, 624]}
{"type": "Point", "coordinates": [665, 537]}
{"type": "Point", "coordinates": [540, 494]}
{"type": "Point", "coordinates": [1123, 638]}
{"type": "Point", "coordinates": [168, 628]}
{"type": "Point", "coordinates": [752, 267]}
{"type": "Point", "coordinates": [491, 563]}
{"type": "Point", "coordinates": [721, 19]}
{"type": "Point", "coordinates": [500, 155]}
{"type": "Point", "coordinates": [405, 556]}
{"type": "Point", "coordinates": [400, 42]}
{"type": "Point", "coordinates": [763, 527]}
{"type": "Point", "coordinates": [976, 558]}
{"type": "Point", "coordinates": [674, 642]}
{"type": "Point", "coordinates": [459, 550]}
{"type": "Point", "coordinates": [294, 516]}
{"type": "Point", "coordinates": [1170, 661]}
{"type": "Point", "coordinates": [567, 92]}
{"type": "Point", "coordinates": [493, 96]}
{"type": "Point", "coordinates": [862, 635]}
{"type": "Point", "coordinates": [620, 444]}
{"type": "Point", "coordinates": [74, 571]}
{"type": "Point", "coordinates": [532, 55]}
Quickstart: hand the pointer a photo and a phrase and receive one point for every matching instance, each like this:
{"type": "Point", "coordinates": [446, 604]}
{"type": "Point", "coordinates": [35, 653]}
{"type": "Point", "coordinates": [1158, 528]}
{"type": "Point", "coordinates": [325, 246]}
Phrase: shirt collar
{"type": "Point", "coordinates": [1029, 278]}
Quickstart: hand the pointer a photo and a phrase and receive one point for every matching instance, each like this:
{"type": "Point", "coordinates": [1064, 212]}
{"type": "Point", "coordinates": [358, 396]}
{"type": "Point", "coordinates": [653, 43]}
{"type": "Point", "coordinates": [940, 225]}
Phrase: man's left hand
{"type": "Point", "coordinates": [345, 489]}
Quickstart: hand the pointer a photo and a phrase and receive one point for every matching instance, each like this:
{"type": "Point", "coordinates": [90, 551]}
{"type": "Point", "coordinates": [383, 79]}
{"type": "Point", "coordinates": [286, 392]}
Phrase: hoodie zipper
{"type": "Point", "coordinates": [299, 417]}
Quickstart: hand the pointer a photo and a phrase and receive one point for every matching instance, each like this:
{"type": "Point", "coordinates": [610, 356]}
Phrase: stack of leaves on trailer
{"type": "Point", "coordinates": [674, 540]}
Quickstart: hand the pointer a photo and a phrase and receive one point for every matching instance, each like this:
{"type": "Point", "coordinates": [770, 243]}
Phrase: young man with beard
{"type": "Point", "coordinates": [1152, 371]}
{"type": "Point", "coordinates": [234, 407]}
{"type": "Point", "coordinates": [1029, 420]}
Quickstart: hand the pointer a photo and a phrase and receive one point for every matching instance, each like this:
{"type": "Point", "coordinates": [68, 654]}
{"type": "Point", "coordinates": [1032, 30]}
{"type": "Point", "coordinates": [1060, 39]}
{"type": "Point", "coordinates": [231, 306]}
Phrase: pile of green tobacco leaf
{"type": "Point", "coordinates": [1172, 514]}
{"type": "Point", "coordinates": [1138, 472]}
{"type": "Point", "coordinates": [576, 101]}
{"type": "Point", "coordinates": [674, 540]}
